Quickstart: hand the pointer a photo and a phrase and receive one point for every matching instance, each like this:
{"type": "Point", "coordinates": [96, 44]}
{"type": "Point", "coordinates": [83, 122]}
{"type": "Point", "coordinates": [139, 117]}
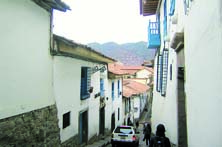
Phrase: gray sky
{"type": "Point", "coordinates": [101, 21]}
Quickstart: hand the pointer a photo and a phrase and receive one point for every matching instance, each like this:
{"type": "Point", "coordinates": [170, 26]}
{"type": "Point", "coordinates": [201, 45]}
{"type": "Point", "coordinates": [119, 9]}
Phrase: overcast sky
{"type": "Point", "coordinates": [102, 21]}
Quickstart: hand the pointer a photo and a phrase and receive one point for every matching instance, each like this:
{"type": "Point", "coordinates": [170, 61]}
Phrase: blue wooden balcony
{"type": "Point", "coordinates": [153, 35]}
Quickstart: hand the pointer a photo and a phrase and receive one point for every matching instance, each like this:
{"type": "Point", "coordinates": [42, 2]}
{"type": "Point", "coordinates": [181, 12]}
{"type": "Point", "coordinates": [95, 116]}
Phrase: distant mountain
{"type": "Point", "coordinates": [128, 53]}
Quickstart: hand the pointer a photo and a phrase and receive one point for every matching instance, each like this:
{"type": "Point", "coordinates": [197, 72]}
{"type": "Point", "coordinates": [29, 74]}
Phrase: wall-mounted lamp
{"type": "Point", "coordinates": [90, 89]}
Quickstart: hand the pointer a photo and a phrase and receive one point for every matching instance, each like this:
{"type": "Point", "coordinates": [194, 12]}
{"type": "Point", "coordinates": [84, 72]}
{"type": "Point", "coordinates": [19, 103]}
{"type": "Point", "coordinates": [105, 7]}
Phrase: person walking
{"type": "Point", "coordinates": [160, 140]}
{"type": "Point", "coordinates": [147, 132]}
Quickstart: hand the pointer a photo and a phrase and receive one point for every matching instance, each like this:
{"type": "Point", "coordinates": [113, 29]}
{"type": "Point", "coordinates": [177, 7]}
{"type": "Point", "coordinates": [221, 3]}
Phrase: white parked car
{"type": "Point", "coordinates": [125, 136]}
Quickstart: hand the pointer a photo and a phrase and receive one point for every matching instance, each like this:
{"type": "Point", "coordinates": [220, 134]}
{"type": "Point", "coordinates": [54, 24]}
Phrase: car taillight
{"type": "Point", "coordinates": [134, 138]}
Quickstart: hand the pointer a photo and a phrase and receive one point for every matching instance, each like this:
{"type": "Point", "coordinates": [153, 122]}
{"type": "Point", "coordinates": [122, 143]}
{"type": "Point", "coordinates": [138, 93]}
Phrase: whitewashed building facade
{"type": "Point", "coordinates": [115, 84]}
{"type": "Point", "coordinates": [186, 99]}
{"type": "Point", "coordinates": [80, 86]}
{"type": "Point", "coordinates": [27, 102]}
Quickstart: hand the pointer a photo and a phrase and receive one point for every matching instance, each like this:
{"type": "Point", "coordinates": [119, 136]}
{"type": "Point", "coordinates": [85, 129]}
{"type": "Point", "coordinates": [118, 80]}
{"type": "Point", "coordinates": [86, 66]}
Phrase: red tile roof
{"type": "Point", "coordinates": [115, 68]}
{"type": "Point", "coordinates": [120, 69]}
{"type": "Point", "coordinates": [150, 69]}
{"type": "Point", "coordinates": [131, 87]}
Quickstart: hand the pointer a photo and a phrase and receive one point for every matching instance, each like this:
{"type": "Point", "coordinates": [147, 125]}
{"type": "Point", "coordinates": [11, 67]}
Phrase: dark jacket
{"type": "Point", "coordinates": [160, 139]}
{"type": "Point", "coordinates": [163, 139]}
{"type": "Point", "coordinates": [147, 129]}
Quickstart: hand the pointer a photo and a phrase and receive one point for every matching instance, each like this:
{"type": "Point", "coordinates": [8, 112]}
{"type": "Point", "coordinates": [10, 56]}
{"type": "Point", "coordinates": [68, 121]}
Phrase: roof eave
{"type": "Point", "coordinates": [52, 4]}
{"type": "Point", "coordinates": [149, 7]}
{"type": "Point", "coordinates": [66, 47]}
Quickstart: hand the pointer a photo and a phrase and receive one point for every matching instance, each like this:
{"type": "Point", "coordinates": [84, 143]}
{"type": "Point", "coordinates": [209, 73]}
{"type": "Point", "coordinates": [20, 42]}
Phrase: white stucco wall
{"type": "Point", "coordinates": [67, 74]}
{"type": "Point", "coordinates": [25, 63]}
{"type": "Point", "coordinates": [108, 108]}
{"type": "Point", "coordinates": [117, 103]}
{"type": "Point", "coordinates": [136, 102]}
{"type": "Point", "coordinates": [203, 58]}
{"type": "Point", "coordinates": [142, 74]}
{"type": "Point", "coordinates": [164, 109]}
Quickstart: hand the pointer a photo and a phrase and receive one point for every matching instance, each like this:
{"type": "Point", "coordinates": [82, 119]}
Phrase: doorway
{"type": "Point", "coordinates": [181, 100]}
{"type": "Point", "coordinates": [102, 121]}
{"type": "Point", "coordinates": [112, 122]}
{"type": "Point", "coordinates": [83, 127]}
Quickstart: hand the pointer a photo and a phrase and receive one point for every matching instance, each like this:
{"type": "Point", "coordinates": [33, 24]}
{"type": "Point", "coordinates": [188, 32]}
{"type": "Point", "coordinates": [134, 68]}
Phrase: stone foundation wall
{"type": "Point", "coordinates": [38, 128]}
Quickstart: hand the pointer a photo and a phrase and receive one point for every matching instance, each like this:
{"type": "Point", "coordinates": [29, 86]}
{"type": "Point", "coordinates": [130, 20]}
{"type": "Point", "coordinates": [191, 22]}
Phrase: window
{"type": "Point", "coordinates": [159, 71]}
{"type": "Point", "coordinates": [165, 19]}
{"type": "Point", "coordinates": [172, 7]}
{"type": "Point", "coordinates": [187, 5]}
{"type": "Point", "coordinates": [113, 91]}
{"type": "Point", "coordinates": [164, 71]}
{"type": "Point", "coordinates": [102, 88]}
{"type": "Point", "coordinates": [66, 120]}
{"type": "Point", "coordinates": [124, 130]}
{"type": "Point", "coordinates": [136, 109]}
{"type": "Point", "coordinates": [126, 106]}
{"type": "Point", "coordinates": [118, 88]}
{"type": "Point", "coordinates": [85, 82]}
{"type": "Point", "coordinates": [118, 113]}
{"type": "Point", "coordinates": [171, 74]}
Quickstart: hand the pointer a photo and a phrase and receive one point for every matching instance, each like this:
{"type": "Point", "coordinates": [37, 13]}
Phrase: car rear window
{"type": "Point", "coordinates": [125, 130]}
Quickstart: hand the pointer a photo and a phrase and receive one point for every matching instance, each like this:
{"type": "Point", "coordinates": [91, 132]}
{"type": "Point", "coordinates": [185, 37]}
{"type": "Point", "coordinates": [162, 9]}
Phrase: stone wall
{"type": "Point", "coordinates": [38, 128]}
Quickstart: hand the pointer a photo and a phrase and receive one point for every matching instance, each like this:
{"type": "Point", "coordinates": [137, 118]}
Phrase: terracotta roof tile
{"type": "Point", "coordinates": [131, 87]}
{"type": "Point", "coordinates": [115, 68]}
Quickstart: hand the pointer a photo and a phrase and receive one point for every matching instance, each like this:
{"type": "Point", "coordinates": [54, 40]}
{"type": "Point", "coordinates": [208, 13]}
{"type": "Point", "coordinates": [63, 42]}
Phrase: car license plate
{"type": "Point", "coordinates": [122, 137]}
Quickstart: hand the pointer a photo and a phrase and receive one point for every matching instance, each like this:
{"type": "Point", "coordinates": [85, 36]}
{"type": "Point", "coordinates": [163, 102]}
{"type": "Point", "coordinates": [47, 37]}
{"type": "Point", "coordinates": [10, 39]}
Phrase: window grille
{"type": "Point", "coordinates": [164, 71]}
{"type": "Point", "coordinates": [159, 71]}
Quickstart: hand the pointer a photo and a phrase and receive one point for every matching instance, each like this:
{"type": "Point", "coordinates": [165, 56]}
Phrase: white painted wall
{"type": "Point", "coordinates": [143, 101]}
{"type": "Point", "coordinates": [136, 101]}
{"type": "Point", "coordinates": [26, 64]}
{"type": "Point", "coordinates": [203, 58]}
{"type": "Point", "coordinates": [164, 109]}
{"type": "Point", "coordinates": [144, 73]}
{"type": "Point", "coordinates": [177, 21]}
{"type": "Point", "coordinates": [117, 103]}
{"type": "Point", "coordinates": [108, 108]}
{"type": "Point", "coordinates": [67, 75]}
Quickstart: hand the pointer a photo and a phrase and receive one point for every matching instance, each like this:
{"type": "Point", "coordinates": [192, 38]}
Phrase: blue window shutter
{"type": "Point", "coordinates": [113, 91]}
{"type": "Point", "coordinates": [165, 19]}
{"type": "Point", "coordinates": [102, 87]}
{"type": "Point", "coordinates": [172, 7]}
{"type": "Point", "coordinates": [85, 82]}
{"type": "Point", "coordinates": [118, 87]}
